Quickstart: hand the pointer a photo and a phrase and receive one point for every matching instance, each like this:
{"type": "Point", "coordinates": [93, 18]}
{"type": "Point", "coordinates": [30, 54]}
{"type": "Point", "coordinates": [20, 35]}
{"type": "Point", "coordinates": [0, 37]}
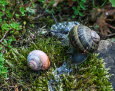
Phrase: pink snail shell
{"type": "Point", "coordinates": [38, 60]}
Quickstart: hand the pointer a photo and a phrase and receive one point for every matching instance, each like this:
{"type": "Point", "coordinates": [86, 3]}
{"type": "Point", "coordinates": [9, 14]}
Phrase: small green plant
{"type": "Point", "coordinates": [79, 8]}
{"type": "Point", "coordinates": [12, 19]}
{"type": "Point", "coordinates": [112, 2]}
{"type": "Point", "coordinates": [3, 70]}
{"type": "Point", "coordinates": [8, 22]}
{"type": "Point", "coordinates": [10, 26]}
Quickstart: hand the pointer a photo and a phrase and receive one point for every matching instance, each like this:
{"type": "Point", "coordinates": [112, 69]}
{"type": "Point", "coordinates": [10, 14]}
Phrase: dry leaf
{"type": "Point", "coordinates": [102, 18]}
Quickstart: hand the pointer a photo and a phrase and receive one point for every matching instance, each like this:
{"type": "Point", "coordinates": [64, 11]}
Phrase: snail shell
{"type": "Point", "coordinates": [83, 38]}
{"type": "Point", "coordinates": [83, 41]}
{"type": "Point", "coordinates": [38, 60]}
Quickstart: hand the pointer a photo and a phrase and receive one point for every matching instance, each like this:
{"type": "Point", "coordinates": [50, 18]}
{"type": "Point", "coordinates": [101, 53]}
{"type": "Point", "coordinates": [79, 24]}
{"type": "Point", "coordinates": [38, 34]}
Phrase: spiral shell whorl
{"type": "Point", "coordinates": [38, 60]}
{"type": "Point", "coordinates": [33, 65]}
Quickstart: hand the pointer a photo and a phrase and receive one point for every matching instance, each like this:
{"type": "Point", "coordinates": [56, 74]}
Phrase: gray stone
{"type": "Point", "coordinates": [106, 51]}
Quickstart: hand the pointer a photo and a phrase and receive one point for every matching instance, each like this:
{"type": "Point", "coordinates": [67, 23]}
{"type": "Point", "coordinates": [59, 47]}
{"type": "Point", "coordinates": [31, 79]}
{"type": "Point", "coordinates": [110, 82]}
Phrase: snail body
{"type": "Point", "coordinates": [61, 30]}
{"type": "Point", "coordinates": [83, 40]}
{"type": "Point", "coordinates": [38, 60]}
{"type": "Point", "coordinates": [78, 57]}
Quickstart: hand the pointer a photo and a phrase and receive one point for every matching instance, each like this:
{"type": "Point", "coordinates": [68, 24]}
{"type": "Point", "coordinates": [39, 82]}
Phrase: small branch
{"type": "Point", "coordinates": [110, 26]}
{"type": "Point", "coordinates": [108, 36]}
{"type": "Point", "coordinates": [4, 36]}
{"type": "Point", "coordinates": [111, 35]}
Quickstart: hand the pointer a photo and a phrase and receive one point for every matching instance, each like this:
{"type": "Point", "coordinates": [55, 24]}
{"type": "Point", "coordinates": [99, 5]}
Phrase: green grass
{"type": "Point", "coordinates": [91, 75]}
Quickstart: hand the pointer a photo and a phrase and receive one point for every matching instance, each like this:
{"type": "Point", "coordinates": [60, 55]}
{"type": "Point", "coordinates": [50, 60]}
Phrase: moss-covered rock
{"type": "Point", "coordinates": [91, 75]}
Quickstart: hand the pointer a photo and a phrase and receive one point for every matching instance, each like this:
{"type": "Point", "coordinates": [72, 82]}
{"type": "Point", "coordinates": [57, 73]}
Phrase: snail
{"type": "Point", "coordinates": [83, 41]}
{"type": "Point", "coordinates": [38, 60]}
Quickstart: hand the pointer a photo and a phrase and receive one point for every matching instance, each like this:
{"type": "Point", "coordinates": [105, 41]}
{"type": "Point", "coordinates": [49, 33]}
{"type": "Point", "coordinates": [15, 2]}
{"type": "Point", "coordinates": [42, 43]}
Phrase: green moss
{"type": "Point", "coordinates": [45, 21]}
{"type": "Point", "coordinates": [91, 75]}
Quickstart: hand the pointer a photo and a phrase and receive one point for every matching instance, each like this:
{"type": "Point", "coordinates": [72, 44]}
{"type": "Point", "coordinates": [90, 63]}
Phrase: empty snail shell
{"type": "Point", "coordinates": [38, 60]}
{"type": "Point", "coordinates": [83, 40]}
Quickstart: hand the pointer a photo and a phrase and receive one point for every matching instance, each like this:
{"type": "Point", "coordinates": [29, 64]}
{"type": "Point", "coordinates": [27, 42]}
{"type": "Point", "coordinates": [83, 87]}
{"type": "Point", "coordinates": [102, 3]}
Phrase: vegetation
{"type": "Point", "coordinates": [89, 75]}
{"type": "Point", "coordinates": [112, 2]}
{"type": "Point", "coordinates": [18, 19]}
{"type": "Point", "coordinates": [3, 70]}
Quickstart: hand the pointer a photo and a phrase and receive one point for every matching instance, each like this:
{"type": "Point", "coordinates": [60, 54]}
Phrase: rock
{"type": "Point", "coordinates": [106, 51]}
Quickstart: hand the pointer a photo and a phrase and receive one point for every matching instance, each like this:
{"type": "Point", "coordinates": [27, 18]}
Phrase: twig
{"type": "Point", "coordinates": [108, 36]}
{"type": "Point", "coordinates": [54, 18]}
{"type": "Point", "coordinates": [110, 26]}
{"type": "Point", "coordinates": [4, 36]}
{"type": "Point", "coordinates": [111, 35]}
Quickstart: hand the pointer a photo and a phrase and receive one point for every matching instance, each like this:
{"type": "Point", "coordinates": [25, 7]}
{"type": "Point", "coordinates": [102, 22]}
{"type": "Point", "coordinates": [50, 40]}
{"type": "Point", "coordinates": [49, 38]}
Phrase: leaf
{"type": "Point", "coordinates": [112, 2]}
{"type": "Point", "coordinates": [1, 14]}
{"type": "Point", "coordinates": [82, 5]}
{"type": "Point", "coordinates": [76, 10]}
{"type": "Point", "coordinates": [5, 42]}
{"type": "Point", "coordinates": [22, 10]}
{"type": "Point", "coordinates": [15, 25]}
{"type": "Point", "coordinates": [83, 1]}
{"type": "Point", "coordinates": [9, 14]}
{"type": "Point", "coordinates": [5, 26]}
{"type": "Point", "coordinates": [80, 13]}
{"type": "Point", "coordinates": [3, 70]}
{"type": "Point", "coordinates": [3, 2]}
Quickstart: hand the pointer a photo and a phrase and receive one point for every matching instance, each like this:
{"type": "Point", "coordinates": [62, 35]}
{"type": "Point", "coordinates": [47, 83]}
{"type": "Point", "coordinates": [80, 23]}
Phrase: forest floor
{"type": "Point", "coordinates": [91, 75]}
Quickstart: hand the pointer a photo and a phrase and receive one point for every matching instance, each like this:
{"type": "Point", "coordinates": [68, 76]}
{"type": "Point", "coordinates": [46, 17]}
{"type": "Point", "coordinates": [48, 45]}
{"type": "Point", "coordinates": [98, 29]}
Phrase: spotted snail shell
{"type": "Point", "coordinates": [38, 60]}
{"type": "Point", "coordinates": [83, 38]}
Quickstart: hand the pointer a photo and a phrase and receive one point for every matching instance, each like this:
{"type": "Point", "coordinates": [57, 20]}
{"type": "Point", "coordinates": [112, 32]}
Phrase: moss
{"type": "Point", "coordinates": [91, 75]}
{"type": "Point", "coordinates": [45, 21]}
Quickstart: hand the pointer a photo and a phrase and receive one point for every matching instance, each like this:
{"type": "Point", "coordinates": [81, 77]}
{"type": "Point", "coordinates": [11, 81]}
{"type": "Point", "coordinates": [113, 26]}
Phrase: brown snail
{"type": "Point", "coordinates": [38, 60]}
{"type": "Point", "coordinates": [83, 40]}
